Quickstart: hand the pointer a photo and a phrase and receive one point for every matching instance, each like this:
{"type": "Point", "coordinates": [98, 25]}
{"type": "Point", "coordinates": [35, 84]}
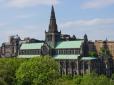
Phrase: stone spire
{"type": "Point", "coordinates": [52, 36]}
{"type": "Point", "coordinates": [52, 13]}
{"type": "Point", "coordinates": [52, 25]}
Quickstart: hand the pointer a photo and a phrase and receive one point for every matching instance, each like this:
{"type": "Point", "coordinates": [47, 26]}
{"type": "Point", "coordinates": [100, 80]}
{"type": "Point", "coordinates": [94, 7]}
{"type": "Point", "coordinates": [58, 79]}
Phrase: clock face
{"type": "Point", "coordinates": [45, 50]}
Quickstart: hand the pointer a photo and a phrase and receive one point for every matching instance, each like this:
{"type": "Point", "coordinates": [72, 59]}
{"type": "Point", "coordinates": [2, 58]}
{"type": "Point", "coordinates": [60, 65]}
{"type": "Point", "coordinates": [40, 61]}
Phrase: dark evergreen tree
{"type": "Point", "coordinates": [85, 47]}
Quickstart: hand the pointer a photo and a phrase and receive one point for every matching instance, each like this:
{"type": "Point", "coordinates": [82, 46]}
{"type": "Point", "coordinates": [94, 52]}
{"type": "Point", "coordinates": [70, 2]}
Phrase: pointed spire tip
{"type": "Point", "coordinates": [52, 13]}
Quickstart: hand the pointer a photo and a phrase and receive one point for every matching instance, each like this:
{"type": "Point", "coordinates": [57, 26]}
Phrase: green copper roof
{"type": "Point", "coordinates": [69, 44]}
{"type": "Point", "coordinates": [66, 57]}
{"type": "Point", "coordinates": [28, 56]}
{"type": "Point", "coordinates": [31, 46]}
{"type": "Point", "coordinates": [88, 58]}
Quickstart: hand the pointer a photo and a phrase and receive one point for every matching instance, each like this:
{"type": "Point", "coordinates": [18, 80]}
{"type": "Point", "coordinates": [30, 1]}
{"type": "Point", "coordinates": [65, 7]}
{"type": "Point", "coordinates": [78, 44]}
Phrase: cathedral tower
{"type": "Point", "coordinates": [52, 36]}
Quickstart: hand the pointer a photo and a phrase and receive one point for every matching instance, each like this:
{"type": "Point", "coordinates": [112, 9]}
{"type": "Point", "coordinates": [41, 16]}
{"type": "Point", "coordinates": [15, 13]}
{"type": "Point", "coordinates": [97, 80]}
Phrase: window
{"type": "Point", "coordinates": [59, 51]}
{"type": "Point", "coordinates": [77, 51]}
{"type": "Point", "coordinates": [33, 52]}
{"type": "Point", "coordinates": [55, 52]}
{"type": "Point", "coordinates": [73, 51]}
{"type": "Point", "coordinates": [65, 51]}
{"type": "Point", "coordinates": [62, 51]}
{"type": "Point", "coordinates": [30, 52]}
{"type": "Point", "coordinates": [21, 52]}
{"type": "Point", "coordinates": [68, 52]}
{"type": "Point", "coordinates": [49, 37]}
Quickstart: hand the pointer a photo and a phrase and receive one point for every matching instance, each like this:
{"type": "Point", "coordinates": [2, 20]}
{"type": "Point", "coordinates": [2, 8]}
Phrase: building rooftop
{"type": "Point", "coordinates": [31, 46]}
{"type": "Point", "coordinates": [69, 44]}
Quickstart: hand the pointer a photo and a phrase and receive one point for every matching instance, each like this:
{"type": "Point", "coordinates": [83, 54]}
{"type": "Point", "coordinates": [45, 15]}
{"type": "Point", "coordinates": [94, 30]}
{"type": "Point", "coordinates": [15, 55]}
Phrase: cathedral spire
{"type": "Point", "coordinates": [52, 13]}
{"type": "Point", "coordinates": [53, 25]}
{"type": "Point", "coordinates": [52, 36]}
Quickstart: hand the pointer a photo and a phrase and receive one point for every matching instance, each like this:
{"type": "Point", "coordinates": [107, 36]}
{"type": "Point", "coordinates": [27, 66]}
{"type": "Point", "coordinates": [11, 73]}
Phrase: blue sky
{"type": "Point", "coordinates": [30, 18]}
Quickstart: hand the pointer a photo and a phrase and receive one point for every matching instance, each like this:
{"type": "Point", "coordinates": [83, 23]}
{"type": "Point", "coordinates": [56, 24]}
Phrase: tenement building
{"type": "Point", "coordinates": [110, 45]}
{"type": "Point", "coordinates": [72, 53]}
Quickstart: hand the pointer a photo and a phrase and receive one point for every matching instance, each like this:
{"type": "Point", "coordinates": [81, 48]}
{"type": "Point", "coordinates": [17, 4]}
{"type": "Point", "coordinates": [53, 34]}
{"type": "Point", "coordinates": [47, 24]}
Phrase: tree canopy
{"type": "Point", "coordinates": [8, 68]}
{"type": "Point", "coordinates": [43, 70]}
{"type": "Point", "coordinates": [38, 71]}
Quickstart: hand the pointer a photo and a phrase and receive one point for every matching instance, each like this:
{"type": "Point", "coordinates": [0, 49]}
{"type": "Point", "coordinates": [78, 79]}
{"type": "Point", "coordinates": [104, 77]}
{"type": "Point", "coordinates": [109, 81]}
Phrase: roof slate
{"type": "Point", "coordinates": [69, 44]}
{"type": "Point", "coordinates": [31, 46]}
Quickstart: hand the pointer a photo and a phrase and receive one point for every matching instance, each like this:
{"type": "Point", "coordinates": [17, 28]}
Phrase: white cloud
{"type": "Point", "coordinates": [97, 3]}
{"type": "Point", "coordinates": [24, 3]}
{"type": "Point", "coordinates": [96, 29]}
{"type": "Point", "coordinates": [90, 22]}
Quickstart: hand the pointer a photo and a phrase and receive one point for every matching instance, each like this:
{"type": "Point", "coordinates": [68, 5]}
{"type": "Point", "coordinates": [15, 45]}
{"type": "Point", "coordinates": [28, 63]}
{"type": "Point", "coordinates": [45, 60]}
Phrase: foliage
{"type": "Point", "coordinates": [38, 71]}
{"type": "Point", "coordinates": [2, 82]}
{"type": "Point", "coordinates": [92, 54]}
{"type": "Point", "coordinates": [111, 82]}
{"type": "Point", "coordinates": [77, 80]}
{"type": "Point", "coordinates": [112, 76]}
{"type": "Point", "coordinates": [89, 79]}
{"type": "Point", "coordinates": [67, 77]}
{"type": "Point", "coordinates": [43, 71]}
{"type": "Point", "coordinates": [65, 82]}
{"type": "Point", "coordinates": [105, 52]}
{"type": "Point", "coordinates": [102, 50]}
{"type": "Point", "coordinates": [103, 80]}
{"type": "Point", "coordinates": [8, 68]}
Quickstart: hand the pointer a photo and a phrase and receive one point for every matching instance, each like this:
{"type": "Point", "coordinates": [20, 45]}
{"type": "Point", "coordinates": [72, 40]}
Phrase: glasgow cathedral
{"type": "Point", "coordinates": [73, 54]}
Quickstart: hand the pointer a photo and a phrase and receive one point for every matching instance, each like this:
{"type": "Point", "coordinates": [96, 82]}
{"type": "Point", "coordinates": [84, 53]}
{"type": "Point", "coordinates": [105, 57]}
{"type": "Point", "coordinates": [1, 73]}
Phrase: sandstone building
{"type": "Point", "coordinates": [71, 53]}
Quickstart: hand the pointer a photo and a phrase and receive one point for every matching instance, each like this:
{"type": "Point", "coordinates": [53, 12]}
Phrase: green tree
{"type": "Point", "coordinates": [64, 82]}
{"type": "Point", "coordinates": [89, 79]}
{"type": "Point", "coordinates": [112, 77]}
{"type": "Point", "coordinates": [105, 53]}
{"type": "Point", "coordinates": [38, 71]}
{"type": "Point", "coordinates": [92, 54]}
{"type": "Point", "coordinates": [103, 80]}
{"type": "Point", "coordinates": [8, 68]}
{"type": "Point", "coordinates": [77, 80]}
{"type": "Point", "coordinates": [2, 82]}
{"type": "Point", "coordinates": [112, 80]}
